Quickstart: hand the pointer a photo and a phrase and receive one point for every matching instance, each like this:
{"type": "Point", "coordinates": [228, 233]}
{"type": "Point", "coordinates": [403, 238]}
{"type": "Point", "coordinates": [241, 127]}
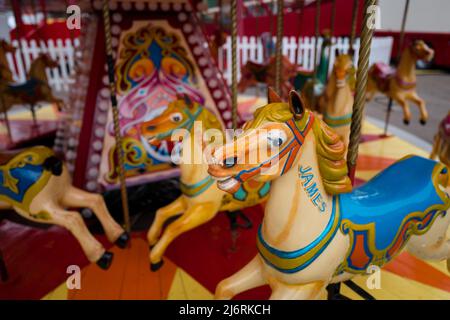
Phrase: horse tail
{"type": "Point", "coordinates": [54, 165]}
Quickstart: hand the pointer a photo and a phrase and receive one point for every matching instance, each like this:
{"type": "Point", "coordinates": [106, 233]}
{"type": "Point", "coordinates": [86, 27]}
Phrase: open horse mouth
{"type": "Point", "coordinates": [228, 184]}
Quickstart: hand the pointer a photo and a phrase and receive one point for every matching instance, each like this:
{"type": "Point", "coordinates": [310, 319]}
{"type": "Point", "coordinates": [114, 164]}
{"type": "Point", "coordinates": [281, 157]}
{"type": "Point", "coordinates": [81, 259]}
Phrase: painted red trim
{"type": "Point", "coordinates": [95, 82]}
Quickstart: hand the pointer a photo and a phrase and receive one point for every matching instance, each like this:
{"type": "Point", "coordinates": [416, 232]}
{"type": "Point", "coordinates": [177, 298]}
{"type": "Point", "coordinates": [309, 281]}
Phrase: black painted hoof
{"type": "Point", "coordinates": [123, 240]}
{"type": "Point", "coordinates": [156, 266]}
{"type": "Point", "coordinates": [406, 122]}
{"type": "Point", "coordinates": [423, 122]}
{"type": "Point", "coordinates": [105, 261]}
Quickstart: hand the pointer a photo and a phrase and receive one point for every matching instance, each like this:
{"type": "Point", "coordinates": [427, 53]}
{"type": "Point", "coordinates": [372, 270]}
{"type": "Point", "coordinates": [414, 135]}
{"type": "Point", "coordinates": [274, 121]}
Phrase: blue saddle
{"type": "Point", "coordinates": [402, 192]}
{"type": "Point", "coordinates": [28, 87]}
{"type": "Point", "coordinates": [25, 176]}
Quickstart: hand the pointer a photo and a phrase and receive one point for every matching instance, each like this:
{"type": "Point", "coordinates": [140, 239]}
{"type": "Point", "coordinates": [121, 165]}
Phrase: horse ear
{"type": "Point", "coordinates": [336, 52]}
{"type": "Point", "coordinates": [296, 104]}
{"type": "Point", "coordinates": [188, 100]}
{"type": "Point", "coordinates": [272, 96]}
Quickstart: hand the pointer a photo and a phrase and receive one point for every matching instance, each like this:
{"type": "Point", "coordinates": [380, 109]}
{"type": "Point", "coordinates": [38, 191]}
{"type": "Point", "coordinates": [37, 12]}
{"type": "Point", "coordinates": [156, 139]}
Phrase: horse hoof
{"type": "Point", "coordinates": [123, 240]}
{"type": "Point", "coordinates": [105, 260]}
{"type": "Point", "coordinates": [406, 122]}
{"type": "Point", "coordinates": [156, 266]}
{"type": "Point", "coordinates": [423, 122]}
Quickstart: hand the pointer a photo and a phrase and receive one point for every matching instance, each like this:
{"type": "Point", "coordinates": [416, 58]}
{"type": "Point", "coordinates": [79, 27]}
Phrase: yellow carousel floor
{"type": "Point", "coordinates": [129, 277]}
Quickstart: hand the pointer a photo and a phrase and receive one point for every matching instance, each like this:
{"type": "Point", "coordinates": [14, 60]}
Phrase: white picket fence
{"type": "Point", "coordinates": [298, 50]}
{"type": "Point", "coordinates": [63, 51]}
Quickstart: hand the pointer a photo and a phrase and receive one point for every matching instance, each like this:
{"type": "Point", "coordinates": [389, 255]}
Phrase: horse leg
{"type": "Point", "coordinates": [283, 291]}
{"type": "Point", "coordinates": [249, 277]}
{"type": "Point", "coordinates": [194, 216]}
{"type": "Point", "coordinates": [422, 107]}
{"type": "Point", "coordinates": [72, 221]}
{"type": "Point", "coordinates": [406, 111]}
{"type": "Point", "coordinates": [77, 198]}
{"type": "Point", "coordinates": [33, 114]}
{"type": "Point", "coordinates": [433, 245]}
{"type": "Point", "coordinates": [435, 148]}
{"type": "Point", "coordinates": [162, 214]}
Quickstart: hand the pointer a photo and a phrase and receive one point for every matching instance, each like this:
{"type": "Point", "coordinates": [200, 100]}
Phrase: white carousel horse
{"type": "Point", "coordinates": [38, 187]}
{"type": "Point", "coordinates": [316, 230]}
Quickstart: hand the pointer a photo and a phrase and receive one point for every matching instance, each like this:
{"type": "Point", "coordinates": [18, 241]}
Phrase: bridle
{"type": "Point", "coordinates": [290, 150]}
{"type": "Point", "coordinates": [186, 124]}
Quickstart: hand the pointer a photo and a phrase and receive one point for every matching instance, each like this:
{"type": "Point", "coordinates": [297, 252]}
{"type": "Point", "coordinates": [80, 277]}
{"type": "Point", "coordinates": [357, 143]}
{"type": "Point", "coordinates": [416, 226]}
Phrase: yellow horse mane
{"type": "Point", "coordinates": [329, 147]}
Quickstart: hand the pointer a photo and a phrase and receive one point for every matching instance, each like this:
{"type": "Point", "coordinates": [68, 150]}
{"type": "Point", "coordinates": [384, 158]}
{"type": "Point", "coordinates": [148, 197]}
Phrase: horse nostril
{"type": "Point", "coordinates": [230, 162]}
{"type": "Point", "coordinates": [150, 128]}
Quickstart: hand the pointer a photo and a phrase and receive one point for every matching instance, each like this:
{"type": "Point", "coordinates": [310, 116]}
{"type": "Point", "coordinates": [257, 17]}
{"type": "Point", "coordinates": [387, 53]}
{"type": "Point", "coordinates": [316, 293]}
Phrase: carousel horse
{"type": "Point", "coordinates": [441, 143]}
{"type": "Point", "coordinates": [5, 72]}
{"type": "Point", "coordinates": [304, 80]}
{"type": "Point", "coordinates": [38, 187]}
{"type": "Point", "coordinates": [315, 229]}
{"type": "Point", "coordinates": [201, 199]}
{"type": "Point", "coordinates": [337, 100]}
{"type": "Point", "coordinates": [400, 84]}
{"type": "Point", "coordinates": [36, 89]}
{"type": "Point", "coordinates": [253, 73]}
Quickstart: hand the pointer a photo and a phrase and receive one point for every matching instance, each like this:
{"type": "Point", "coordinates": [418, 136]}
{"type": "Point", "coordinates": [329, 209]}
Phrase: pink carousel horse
{"type": "Point", "coordinates": [441, 144]}
{"type": "Point", "coordinates": [38, 187]}
{"type": "Point", "coordinates": [316, 230]}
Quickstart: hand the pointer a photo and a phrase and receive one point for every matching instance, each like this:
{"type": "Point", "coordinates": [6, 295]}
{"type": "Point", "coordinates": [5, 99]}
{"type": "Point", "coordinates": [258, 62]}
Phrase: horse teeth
{"type": "Point", "coordinates": [227, 184]}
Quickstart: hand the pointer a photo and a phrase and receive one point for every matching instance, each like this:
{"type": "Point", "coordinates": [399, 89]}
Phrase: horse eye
{"type": "Point", "coordinates": [276, 139]}
{"type": "Point", "coordinates": [176, 117]}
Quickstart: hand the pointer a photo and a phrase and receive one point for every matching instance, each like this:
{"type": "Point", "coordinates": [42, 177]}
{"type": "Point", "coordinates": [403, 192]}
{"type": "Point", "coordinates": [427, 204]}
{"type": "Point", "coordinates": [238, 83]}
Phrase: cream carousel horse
{"type": "Point", "coordinates": [316, 230]}
{"type": "Point", "coordinates": [38, 187]}
{"type": "Point", "coordinates": [35, 90]}
{"type": "Point", "coordinates": [5, 72]}
{"type": "Point", "coordinates": [400, 84]}
{"type": "Point", "coordinates": [337, 100]}
{"type": "Point", "coordinates": [441, 143]}
{"type": "Point", "coordinates": [201, 199]}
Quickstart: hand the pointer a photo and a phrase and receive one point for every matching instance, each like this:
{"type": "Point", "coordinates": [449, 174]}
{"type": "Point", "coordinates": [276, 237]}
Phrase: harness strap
{"type": "Point", "coordinates": [193, 190]}
{"type": "Point", "coordinates": [290, 150]}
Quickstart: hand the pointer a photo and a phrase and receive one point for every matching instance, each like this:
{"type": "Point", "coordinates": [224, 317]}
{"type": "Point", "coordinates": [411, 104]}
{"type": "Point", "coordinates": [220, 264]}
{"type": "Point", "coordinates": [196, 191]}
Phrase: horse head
{"type": "Point", "coordinates": [344, 70]}
{"type": "Point", "coordinates": [248, 77]}
{"type": "Point", "coordinates": [47, 61]}
{"type": "Point", "coordinates": [421, 51]}
{"type": "Point", "coordinates": [180, 114]}
{"type": "Point", "coordinates": [6, 46]}
{"type": "Point", "coordinates": [270, 143]}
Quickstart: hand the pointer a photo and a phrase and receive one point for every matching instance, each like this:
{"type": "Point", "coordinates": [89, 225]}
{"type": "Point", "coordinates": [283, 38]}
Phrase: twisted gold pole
{"type": "Point", "coordinates": [279, 46]}
{"type": "Point", "coordinates": [397, 60]}
{"type": "Point", "coordinates": [233, 14]}
{"type": "Point", "coordinates": [361, 84]}
{"type": "Point", "coordinates": [353, 27]}
{"type": "Point", "coordinates": [112, 88]}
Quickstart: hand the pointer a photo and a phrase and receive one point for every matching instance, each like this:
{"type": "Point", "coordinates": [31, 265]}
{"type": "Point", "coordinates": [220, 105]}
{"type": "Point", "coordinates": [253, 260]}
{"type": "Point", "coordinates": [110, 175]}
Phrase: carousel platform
{"type": "Point", "coordinates": [23, 131]}
{"type": "Point", "coordinates": [37, 259]}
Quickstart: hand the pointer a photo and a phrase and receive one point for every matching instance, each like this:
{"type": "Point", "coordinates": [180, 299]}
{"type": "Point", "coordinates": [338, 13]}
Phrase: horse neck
{"type": "Point", "coordinates": [340, 101]}
{"type": "Point", "coordinates": [37, 71]}
{"type": "Point", "coordinates": [407, 66]}
{"type": "Point", "coordinates": [197, 169]}
{"type": "Point", "coordinates": [290, 210]}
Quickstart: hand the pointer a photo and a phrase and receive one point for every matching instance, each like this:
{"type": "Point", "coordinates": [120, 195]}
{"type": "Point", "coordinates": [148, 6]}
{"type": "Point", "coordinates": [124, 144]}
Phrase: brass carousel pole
{"type": "Point", "coordinates": [234, 62]}
{"type": "Point", "coordinates": [332, 19]}
{"type": "Point", "coordinates": [361, 84]}
{"type": "Point", "coordinates": [112, 88]}
{"type": "Point", "coordinates": [316, 49]}
{"type": "Point", "coordinates": [399, 53]}
{"type": "Point", "coordinates": [353, 26]}
{"type": "Point", "coordinates": [279, 46]}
